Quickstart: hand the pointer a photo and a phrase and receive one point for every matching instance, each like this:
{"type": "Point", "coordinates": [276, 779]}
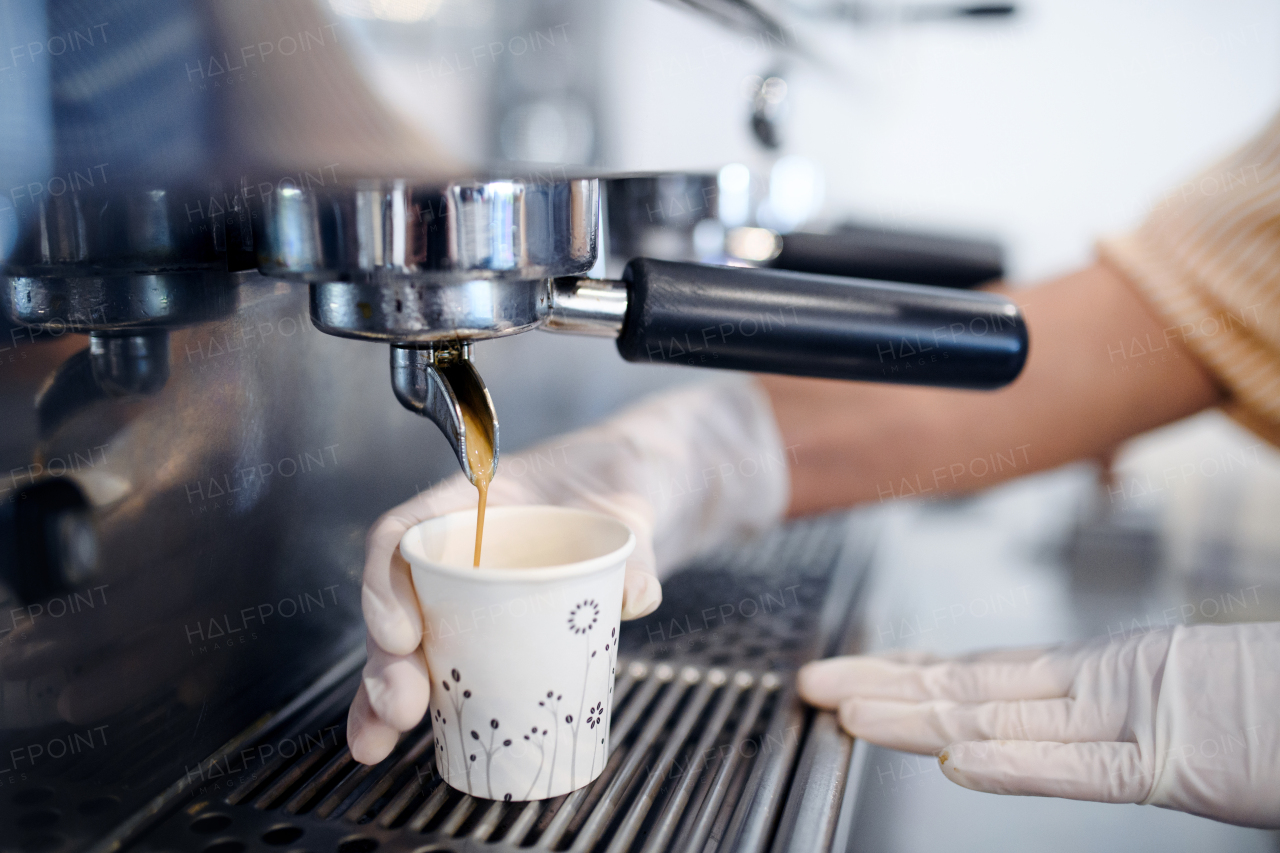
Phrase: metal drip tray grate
{"type": "Point", "coordinates": [704, 744]}
{"type": "Point", "coordinates": [690, 748]}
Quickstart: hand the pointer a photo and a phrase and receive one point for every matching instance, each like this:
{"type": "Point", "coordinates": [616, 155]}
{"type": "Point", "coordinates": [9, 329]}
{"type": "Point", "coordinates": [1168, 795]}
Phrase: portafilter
{"type": "Point", "coordinates": [431, 269]}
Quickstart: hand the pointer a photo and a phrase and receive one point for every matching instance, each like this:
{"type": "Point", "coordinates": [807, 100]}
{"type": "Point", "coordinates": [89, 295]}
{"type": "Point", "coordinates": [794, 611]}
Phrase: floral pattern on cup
{"type": "Point", "coordinates": [485, 742]}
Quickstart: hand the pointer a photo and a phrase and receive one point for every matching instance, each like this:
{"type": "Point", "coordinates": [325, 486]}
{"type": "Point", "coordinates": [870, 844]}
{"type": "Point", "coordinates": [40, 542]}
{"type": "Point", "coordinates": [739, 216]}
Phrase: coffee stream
{"type": "Point", "coordinates": [480, 458]}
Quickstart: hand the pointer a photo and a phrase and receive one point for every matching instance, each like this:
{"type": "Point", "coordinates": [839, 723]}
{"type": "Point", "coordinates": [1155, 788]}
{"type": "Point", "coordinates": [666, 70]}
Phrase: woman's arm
{"type": "Point", "coordinates": [1102, 367]}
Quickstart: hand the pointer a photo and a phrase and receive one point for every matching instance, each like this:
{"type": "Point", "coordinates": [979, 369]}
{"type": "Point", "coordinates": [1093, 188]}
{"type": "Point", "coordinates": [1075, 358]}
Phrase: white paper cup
{"type": "Point", "coordinates": [522, 651]}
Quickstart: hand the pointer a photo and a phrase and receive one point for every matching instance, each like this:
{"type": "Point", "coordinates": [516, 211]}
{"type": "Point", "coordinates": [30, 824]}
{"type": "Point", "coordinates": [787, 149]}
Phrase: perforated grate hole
{"type": "Point", "coordinates": [227, 845]}
{"type": "Point", "coordinates": [210, 823]}
{"type": "Point", "coordinates": [279, 836]}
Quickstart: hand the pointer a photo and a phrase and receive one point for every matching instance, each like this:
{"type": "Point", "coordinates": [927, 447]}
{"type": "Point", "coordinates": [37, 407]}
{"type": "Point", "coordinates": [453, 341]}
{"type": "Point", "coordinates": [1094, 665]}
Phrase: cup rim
{"type": "Point", "coordinates": [411, 550]}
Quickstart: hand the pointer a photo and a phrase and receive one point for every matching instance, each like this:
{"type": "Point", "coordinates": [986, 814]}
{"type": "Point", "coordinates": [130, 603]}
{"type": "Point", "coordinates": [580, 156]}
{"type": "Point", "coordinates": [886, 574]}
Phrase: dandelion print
{"type": "Point", "coordinates": [552, 705]}
{"type": "Point", "coordinates": [458, 703]}
{"type": "Point", "coordinates": [594, 715]}
{"type": "Point", "coordinates": [489, 751]}
{"type": "Point", "coordinates": [582, 618]}
{"type": "Point", "coordinates": [538, 739]}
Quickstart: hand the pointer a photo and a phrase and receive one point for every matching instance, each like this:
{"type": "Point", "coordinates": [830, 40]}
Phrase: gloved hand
{"type": "Point", "coordinates": [1185, 719]}
{"type": "Point", "coordinates": [685, 471]}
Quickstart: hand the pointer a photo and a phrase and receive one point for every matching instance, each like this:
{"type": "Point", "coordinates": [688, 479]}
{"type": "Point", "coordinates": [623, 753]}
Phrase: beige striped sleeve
{"type": "Point", "coordinates": [1208, 260]}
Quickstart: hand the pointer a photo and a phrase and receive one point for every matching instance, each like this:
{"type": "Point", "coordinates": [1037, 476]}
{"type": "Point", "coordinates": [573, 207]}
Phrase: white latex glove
{"type": "Point", "coordinates": [685, 471]}
{"type": "Point", "coordinates": [1186, 719]}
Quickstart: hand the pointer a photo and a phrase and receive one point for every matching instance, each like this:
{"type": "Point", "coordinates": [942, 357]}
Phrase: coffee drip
{"type": "Point", "coordinates": [480, 459]}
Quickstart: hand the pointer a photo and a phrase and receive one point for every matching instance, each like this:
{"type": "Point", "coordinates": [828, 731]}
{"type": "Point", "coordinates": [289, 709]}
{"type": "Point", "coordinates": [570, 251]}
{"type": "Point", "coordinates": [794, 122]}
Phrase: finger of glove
{"type": "Point", "coordinates": [388, 599]}
{"type": "Point", "coordinates": [1105, 772]}
{"type": "Point", "coordinates": [915, 656]}
{"type": "Point", "coordinates": [926, 727]}
{"type": "Point", "coordinates": [369, 739]}
{"type": "Point", "coordinates": [827, 683]}
{"type": "Point", "coordinates": [397, 687]}
{"type": "Point", "coordinates": [919, 656]}
{"type": "Point", "coordinates": [641, 593]}
{"type": "Point", "coordinates": [641, 590]}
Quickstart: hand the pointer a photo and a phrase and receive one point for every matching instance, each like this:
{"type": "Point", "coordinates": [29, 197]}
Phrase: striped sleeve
{"type": "Point", "coordinates": [1208, 260]}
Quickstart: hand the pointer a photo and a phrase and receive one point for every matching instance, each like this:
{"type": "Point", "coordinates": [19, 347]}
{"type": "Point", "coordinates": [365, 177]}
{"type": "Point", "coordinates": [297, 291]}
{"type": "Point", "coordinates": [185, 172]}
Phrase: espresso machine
{"type": "Point", "coordinates": [194, 478]}
{"type": "Point", "coordinates": [198, 433]}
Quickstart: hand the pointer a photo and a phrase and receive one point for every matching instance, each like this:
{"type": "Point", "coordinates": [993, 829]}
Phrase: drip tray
{"type": "Point", "coordinates": [687, 743]}
{"type": "Point", "coordinates": [703, 750]}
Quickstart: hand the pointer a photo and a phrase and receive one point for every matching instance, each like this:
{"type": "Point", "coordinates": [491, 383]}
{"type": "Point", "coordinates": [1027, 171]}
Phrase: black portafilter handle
{"type": "Point", "coordinates": [773, 321]}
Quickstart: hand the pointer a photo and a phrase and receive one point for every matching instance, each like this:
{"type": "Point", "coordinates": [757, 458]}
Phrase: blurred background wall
{"type": "Point", "coordinates": [1063, 122]}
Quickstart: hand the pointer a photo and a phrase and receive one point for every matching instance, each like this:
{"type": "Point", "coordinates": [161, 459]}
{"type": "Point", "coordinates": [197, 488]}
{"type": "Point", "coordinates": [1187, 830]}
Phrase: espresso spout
{"type": "Point", "coordinates": [437, 382]}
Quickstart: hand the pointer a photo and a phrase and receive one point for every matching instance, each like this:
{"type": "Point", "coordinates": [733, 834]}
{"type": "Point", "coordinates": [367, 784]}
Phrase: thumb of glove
{"type": "Point", "coordinates": [641, 589]}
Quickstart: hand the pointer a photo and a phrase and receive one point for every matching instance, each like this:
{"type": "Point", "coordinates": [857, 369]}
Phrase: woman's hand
{"type": "Point", "coordinates": [684, 471]}
{"type": "Point", "coordinates": [1185, 719]}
